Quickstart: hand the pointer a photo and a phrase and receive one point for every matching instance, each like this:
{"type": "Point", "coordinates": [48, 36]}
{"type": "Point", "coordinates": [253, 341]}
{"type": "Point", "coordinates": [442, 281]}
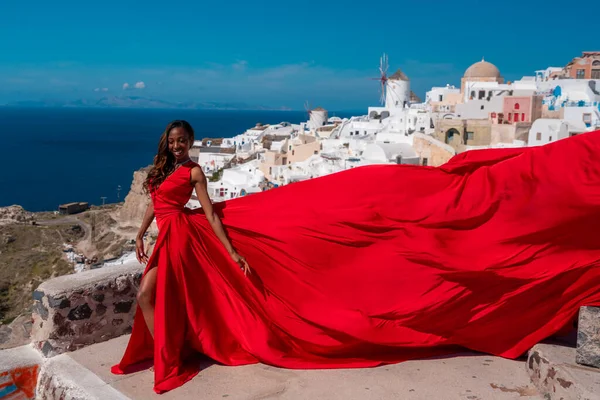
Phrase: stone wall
{"type": "Point", "coordinates": [435, 152]}
{"type": "Point", "coordinates": [77, 310]}
{"type": "Point", "coordinates": [588, 337]}
{"type": "Point", "coordinates": [553, 114]}
{"type": "Point", "coordinates": [508, 133]}
{"type": "Point", "coordinates": [455, 129]}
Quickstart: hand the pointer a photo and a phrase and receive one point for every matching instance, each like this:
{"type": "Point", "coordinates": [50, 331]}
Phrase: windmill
{"type": "Point", "coordinates": [383, 67]}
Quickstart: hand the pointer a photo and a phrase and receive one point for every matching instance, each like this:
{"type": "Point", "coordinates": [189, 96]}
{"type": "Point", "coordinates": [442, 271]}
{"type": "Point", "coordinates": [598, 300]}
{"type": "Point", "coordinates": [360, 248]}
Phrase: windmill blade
{"type": "Point", "coordinates": [383, 65]}
{"type": "Point", "coordinates": [308, 108]}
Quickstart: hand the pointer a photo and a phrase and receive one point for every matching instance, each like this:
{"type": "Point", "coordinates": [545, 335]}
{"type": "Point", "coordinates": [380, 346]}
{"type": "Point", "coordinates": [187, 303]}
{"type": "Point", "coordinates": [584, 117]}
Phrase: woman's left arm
{"type": "Point", "coordinates": [199, 182]}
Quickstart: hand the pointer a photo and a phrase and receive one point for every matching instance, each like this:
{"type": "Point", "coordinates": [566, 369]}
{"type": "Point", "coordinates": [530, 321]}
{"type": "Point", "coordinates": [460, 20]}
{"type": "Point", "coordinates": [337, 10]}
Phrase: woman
{"type": "Point", "coordinates": [494, 251]}
{"type": "Point", "coordinates": [173, 154]}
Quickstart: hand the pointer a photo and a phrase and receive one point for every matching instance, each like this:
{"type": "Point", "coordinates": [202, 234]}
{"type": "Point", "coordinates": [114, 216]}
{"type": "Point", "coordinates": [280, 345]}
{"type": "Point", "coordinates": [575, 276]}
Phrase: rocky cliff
{"type": "Point", "coordinates": [132, 212]}
{"type": "Point", "coordinates": [15, 214]}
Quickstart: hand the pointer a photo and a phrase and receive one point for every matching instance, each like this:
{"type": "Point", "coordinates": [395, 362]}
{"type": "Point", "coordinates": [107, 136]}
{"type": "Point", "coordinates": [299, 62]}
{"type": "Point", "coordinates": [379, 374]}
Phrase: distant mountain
{"type": "Point", "coordinates": [143, 102]}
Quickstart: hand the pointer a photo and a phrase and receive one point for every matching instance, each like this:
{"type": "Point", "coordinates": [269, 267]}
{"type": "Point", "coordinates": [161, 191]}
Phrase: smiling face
{"type": "Point", "coordinates": [179, 143]}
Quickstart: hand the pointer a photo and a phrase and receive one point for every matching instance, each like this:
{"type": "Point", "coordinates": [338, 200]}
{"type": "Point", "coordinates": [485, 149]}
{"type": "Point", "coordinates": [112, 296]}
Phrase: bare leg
{"type": "Point", "coordinates": [145, 298]}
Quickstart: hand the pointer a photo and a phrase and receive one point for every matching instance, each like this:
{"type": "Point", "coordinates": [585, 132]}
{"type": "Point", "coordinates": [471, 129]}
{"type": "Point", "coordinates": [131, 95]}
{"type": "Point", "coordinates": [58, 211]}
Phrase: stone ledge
{"type": "Point", "coordinates": [74, 311]}
{"type": "Point", "coordinates": [588, 337]}
{"type": "Point", "coordinates": [63, 378]}
{"type": "Point", "coordinates": [553, 371]}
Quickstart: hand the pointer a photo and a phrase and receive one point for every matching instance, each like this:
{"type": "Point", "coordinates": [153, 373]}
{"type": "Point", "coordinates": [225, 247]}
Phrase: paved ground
{"type": "Point", "coordinates": [464, 376]}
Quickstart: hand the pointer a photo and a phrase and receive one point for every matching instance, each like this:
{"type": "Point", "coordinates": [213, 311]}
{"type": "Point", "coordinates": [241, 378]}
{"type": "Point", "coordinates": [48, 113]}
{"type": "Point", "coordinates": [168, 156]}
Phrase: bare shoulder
{"type": "Point", "coordinates": [197, 175]}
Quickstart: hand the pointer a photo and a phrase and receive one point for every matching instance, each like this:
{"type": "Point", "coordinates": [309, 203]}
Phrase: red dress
{"type": "Point", "coordinates": [494, 251]}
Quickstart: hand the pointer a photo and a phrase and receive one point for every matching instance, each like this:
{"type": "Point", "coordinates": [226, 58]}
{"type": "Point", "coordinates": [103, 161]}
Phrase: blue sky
{"type": "Point", "coordinates": [273, 53]}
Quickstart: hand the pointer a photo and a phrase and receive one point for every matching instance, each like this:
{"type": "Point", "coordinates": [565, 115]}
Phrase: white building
{"type": "Point", "coordinates": [547, 74]}
{"type": "Point", "coordinates": [238, 181]}
{"type": "Point", "coordinates": [586, 116]}
{"type": "Point", "coordinates": [570, 93]}
{"type": "Point", "coordinates": [390, 153]}
{"type": "Point", "coordinates": [545, 130]}
{"type": "Point", "coordinates": [481, 109]}
{"type": "Point", "coordinates": [440, 94]}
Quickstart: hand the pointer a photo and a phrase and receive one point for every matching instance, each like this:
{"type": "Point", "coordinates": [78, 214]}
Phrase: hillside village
{"type": "Point", "coordinates": [485, 111]}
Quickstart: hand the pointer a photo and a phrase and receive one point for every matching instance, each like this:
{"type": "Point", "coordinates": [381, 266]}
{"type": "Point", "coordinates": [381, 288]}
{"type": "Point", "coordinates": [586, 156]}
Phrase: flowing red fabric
{"type": "Point", "coordinates": [494, 251]}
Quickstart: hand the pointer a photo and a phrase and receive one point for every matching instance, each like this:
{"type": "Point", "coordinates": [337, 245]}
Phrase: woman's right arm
{"type": "Point", "coordinates": [140, 253]}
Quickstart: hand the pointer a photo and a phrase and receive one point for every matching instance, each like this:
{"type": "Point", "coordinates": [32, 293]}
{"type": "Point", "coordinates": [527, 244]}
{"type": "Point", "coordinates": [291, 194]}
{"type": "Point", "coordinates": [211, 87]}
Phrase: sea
{"type": "Point", "coordinates": [52, 156]}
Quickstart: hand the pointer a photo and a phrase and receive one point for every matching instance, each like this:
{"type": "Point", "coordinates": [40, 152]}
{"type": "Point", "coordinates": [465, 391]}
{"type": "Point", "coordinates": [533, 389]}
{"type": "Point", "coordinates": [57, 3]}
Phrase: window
{"type": "Point", "coordinates": [538, 136]}
{"type": "Point", "coordinates": [482, 107]}
{"type": "Point", "coordinates": [587, 118]}
{"type": "Point", "coordinates": [517, 106]}
{"type": "Point", "coordinates": [470, 135]}
{"type": "Point", "coordinates": [293, 152]}
{"type": "Point", "coordinates": [550, 139]}
{"type": "Point", "coordinates": [425, 162]}
{"type": "Point", "coordinates": [441, 99]}
{"type": "Point", "coordinates": [472, 94]}
{"type": "Point", "coordinates": [316, 152]}
{"type": "Point", "coordinates": [580, 74]}
{"type": "Point", "coordinates": [596, 74]}
{"type": "Point", "coordinates": [523, 117]}
{"type": "Point", "coordinates": [284, 161]}
{"type": "Point", "coordinates": [290, 147]}
{"type": "Point", "coordinates": [481, 94]}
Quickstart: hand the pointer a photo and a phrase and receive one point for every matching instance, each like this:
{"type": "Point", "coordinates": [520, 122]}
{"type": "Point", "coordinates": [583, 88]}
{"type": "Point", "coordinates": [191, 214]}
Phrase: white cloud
{"type": "Point", "coordinates": [240, 65]}
{"type": "Point", "coordinates": [287, 84]}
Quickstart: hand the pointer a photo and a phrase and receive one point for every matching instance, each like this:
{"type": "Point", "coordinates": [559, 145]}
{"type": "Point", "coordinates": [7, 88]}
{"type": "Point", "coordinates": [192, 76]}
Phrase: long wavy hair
{"type": "Point", "coordinates": [164, 161]}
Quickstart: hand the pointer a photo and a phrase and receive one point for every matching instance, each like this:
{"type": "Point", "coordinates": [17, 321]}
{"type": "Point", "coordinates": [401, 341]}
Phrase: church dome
{"type": "Point", "coordinates": [482, 69]}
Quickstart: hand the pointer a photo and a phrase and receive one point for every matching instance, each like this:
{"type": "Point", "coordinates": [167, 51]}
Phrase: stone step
{"type": "Point", "coordinates": [63, 378]}
{"type": "Point", "coordinates": [553, 371]}
{"type": "Point", "coordinates": [465, 376]}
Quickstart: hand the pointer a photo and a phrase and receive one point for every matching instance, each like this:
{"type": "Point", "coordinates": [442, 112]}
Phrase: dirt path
{"type": "Point", "coordinates": [85, 245]}
{"type": "Point", "coordinates": [69, 220]}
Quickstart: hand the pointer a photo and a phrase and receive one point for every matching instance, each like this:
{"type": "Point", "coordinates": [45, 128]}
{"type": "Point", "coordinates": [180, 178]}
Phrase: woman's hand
{"type": "Point", "coordinates": [140, 254]}
{"type": "Point", "coordinates": [241, 261]}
